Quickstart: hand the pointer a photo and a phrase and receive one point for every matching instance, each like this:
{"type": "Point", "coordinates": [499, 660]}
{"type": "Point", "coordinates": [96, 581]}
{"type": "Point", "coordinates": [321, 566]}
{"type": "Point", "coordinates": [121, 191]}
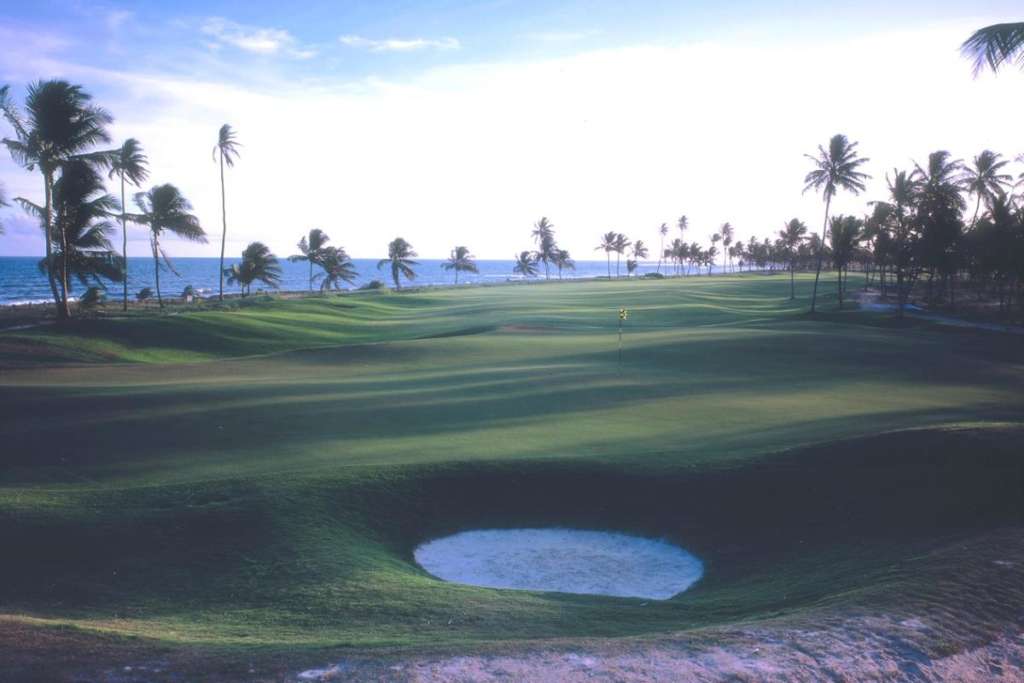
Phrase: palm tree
{"type": "Point", "coordinates": [727, 232]}
{"type": "Point", "coordinates": [129, 165]}
{"type": "Point", "coordinates": [563, 262]}
{"type": "Point", "coordinates": [337, 268]}
{"type": "Point", "coordinates": [715, 239]}
{"type": "Point", "coordinates": [984, 180]}
{"type": "Point", "coordinates": [683, 223]}
{"type": "Point", "coordinates": [608, 242]}
{"type": "Point", "coordinates": [792, 234]}
{"type": "Point", "coordinates": [400, 255]}
{"type": "Point", "coordinates": [164, 208]}
{"type": "Point", "coordinates": [59, 124]}
{"type": "Point", "coordinates": [544, 235]}
{"type": "Point", "coordinates": [257, 263]}
{"type": "Point", "coordinates": [709, 256]}
{"type": "Point", "coordinates": [939, 205]}
{"type": "Point", "coordinates": [639, 252]}
{"type": "Point", "coordinates": [461, 260]}
{"type": "Point", "coordinates": [312, 250]}
{"type": "Point", "coordinates": [226, 151]}
{"type": "Point", "coordinates": [662, 231]}
{"type": "Point", "coordinates": [81, 208]}
{"type": "Point", "coordinates": [834, 169]}
{"type": "Point", "coordinates": [994, 46]}
{"type": "Point", "coordinates": [904, 189]}
{"type": "Point", "coordinates": [621, 242]}
{"type": "Point", "coordinates": [525, 264]}
{"type": "Point", "coordinates": [845, 234]}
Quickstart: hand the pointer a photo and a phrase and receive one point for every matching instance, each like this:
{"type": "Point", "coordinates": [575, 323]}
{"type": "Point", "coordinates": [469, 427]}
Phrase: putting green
{"type": "Point", "coordinates": [255, 480]}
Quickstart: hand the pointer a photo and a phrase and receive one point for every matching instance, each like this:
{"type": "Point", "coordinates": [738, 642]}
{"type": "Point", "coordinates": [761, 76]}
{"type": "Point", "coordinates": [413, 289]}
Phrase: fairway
{"type": "Point", "coordinates": [250, 483]}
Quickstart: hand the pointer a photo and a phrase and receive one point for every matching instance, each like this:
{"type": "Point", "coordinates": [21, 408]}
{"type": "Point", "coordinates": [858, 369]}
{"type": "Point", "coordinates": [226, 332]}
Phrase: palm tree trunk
{"type": "Point", "coordinates": [456, 276]}
{"type": "Point", "coordinates": [156, 269]}
{"type": "Point", "coordinates": [608, 255]}
{"type": "Point", "coordinates": [662, 254]}
{"type": "Point", "coordinates": [821, 254]}
{"type": "Point", "coordinates": [311, 274]}
{"type": "Point", "coordinates": [977, 208]}
{"type": "Point", "coordinates": [48, 216]}
{"type": "Point", "coordinates": [224, 225]}
{"type": "Point", "coordinates": [839, 277]}
{"type": "Point", "coordinates": [617, 255]}
{"type": "Point", "coordinates": [394, 275]}
{"type": "Point", "coordinates": [124, 246]}
{"type": "Point", "coordinates": [792, 283]}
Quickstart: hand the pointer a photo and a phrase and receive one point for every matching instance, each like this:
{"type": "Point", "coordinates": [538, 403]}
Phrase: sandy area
{"type": "Point", "coordinates": [563, 561]}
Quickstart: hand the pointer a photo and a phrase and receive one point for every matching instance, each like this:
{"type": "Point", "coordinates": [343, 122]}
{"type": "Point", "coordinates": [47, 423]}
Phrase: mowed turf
{"type": "Point", "coordinates": [256, 478]}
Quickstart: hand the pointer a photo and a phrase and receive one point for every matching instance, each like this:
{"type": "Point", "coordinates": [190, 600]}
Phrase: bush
{"type": "Point", "coordinates": [145, 294]}
{"type": "Point", "coordinates": [188, 293]}
{"type": "Point", "coordinates": [654, 276]}
{"type": "Point", "coordinates": [373, 284]}
{"type": "Point", "coordinates": [93, 297]}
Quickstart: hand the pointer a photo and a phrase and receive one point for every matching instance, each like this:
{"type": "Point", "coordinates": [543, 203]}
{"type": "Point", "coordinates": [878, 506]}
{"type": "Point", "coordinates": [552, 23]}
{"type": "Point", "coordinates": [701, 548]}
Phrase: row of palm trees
{"type": "Point", "coordinates": [63, 135]}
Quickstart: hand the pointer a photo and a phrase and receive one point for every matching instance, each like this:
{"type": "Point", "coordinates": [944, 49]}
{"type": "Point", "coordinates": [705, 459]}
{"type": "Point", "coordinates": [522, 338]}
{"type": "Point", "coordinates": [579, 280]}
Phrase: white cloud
{"type": "Point", "coordinates": [262, 41]}
{"type": "Point", "coordinates": [621, 139]}
{"type": "Point", "coordinates": [399, 44]}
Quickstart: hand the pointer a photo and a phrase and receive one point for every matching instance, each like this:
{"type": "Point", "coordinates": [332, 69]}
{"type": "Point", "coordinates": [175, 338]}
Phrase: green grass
{"type": "Point", "coordinates": [255, 479]}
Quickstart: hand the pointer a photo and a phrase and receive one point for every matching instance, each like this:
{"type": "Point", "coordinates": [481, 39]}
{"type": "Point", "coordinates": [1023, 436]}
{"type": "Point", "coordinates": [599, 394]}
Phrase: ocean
{"type": "Point", "coordinates": [21, 281]}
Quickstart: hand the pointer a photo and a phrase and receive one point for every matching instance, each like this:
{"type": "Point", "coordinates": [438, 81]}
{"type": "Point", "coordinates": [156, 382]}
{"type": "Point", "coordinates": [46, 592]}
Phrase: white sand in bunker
{"type": "Point", "coordinates": [563, 561]}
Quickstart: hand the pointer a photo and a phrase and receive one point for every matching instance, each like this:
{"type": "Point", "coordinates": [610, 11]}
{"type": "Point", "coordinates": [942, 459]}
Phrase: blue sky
{"type": "Point", "coordinates": [463, 122]}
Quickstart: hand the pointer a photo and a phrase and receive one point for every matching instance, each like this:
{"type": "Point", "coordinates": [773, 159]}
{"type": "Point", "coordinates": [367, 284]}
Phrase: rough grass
{"type": "Point", "coordinates": [251, 482]}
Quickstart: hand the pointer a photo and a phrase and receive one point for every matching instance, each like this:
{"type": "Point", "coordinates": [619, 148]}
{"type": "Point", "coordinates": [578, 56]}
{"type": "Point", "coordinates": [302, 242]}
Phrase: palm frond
{"type": "Point", "coordinates": [994, 46]}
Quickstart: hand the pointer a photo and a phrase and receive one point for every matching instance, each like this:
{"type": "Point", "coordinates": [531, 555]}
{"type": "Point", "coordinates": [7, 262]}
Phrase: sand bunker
{"type": "Point", "coordinates": [563, 561]}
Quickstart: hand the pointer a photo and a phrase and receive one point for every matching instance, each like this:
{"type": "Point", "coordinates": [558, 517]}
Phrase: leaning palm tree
{"type": "Point", "coordinates": [995, 46]}
{"type": "Point", "coordinates": [792, 234]}
{"type": "Point", "coordinates": [225, 151]}
{"type": "Point", "coordinates": [59, 124]}
{"type": "Point", "coordinates": [835, 169]}
{"type": "Point", "coordinates": [525, 264]}
{"type": "Point", "coordinates": [82, 209]}
{"type": "Point", "coordinates": [312, 250]}
{"type": "Point", "coordinates": [400, 255]}
{"type": "Point", "coordinates": [640, 252]}
{"type": "Point", "coordinates": [984, 179]}
{"type": "Point", "coordinates": [165, 209]}
{"type": "Point", "coordinates": [258, 263]}
{"type": "Point", "coordinates": [563, 261]}
{"type": "Point", "coordinates": [337, 268]}
{"type": "Point", "coordinates": [460, 261]}
{"type": "Point", "coordinates": [130, 165]}
{"type": "Point", "coordinates": [608, 241]}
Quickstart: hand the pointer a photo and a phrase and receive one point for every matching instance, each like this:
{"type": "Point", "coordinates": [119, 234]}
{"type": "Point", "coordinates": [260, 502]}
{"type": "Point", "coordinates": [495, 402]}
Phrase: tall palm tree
{"type": "Point", "coordinates": [130, 165]}
{"type": "Point", "coordinates": [984, 179]}
{"type": "Point", "coordinates": [59, 124]}
{"type": "Point", "coordinates": [792, 234]}
{"type": "Point", "coordinates": [715, 239]}
{"type": "Point", "coordinates": [683, 223]}
{"type": "Point", "coordinates": [939, 206]}
{"type": "Point", "coordinates": [904, 189]}
{"type": "Point", "coordinates": [337, 268]}
{"type": "Point", "coordinates": [225, 151]}
{"type": "Point", "coordinates": [400, 255]}
{"type": "Point", "coordinates": [311, 249]}
{"type": "Point", "coordinates": [727, 232]}
{"type": "Point", "coordinates": [640, 252]}
{"type": "Point", "coordinates": [525, 264]}
{"type": "Point", "coordinates": [165, 209]}
{"type": "Point", "coordinates": [258, 263]}
{"type": "Point", "coordinates": [608, 241]}
{"type": "Point", "coordinates": [460, 260]}
{"type": "Point", "coordinates": [994, 46]}
{"type": "Point", "coordinates": [835, 169]}
{"type": "Point", "coordinates": [563, 262]}
{"type": "Point", "coordinates": [621, 242]}
{"type": "Point", "coordinates": [844, 236]}
{"type": "Point", "coordinates": [544, 235]}
{"type": "Point", "coordinates": [662, 231]}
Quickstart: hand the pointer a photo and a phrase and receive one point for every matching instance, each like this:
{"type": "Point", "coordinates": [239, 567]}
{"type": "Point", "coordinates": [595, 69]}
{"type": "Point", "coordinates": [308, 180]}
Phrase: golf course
{"type": "Point", "coordinates": [236, 491]}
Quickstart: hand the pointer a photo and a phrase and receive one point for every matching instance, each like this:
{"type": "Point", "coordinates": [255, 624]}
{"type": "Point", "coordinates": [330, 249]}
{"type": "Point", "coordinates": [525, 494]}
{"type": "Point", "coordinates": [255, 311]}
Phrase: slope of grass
{"type": "Point", "coordinates": [256, 479]}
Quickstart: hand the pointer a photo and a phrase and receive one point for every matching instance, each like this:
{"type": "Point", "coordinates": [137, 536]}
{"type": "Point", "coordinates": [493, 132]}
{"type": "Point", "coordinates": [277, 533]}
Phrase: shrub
{"type": "Point", "coordinates": [93, 297]}
{"type": "Point", "coordinates": [654, 276]}
{"type": "Point", "coordinates": [373, 284]}
{"type": "Point", "coordinates": [145, 294]}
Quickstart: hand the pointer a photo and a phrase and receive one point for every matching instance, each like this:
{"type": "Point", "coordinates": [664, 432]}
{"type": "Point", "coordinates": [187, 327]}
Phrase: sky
{"type": "Point", "coordinates": [454, 122]}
